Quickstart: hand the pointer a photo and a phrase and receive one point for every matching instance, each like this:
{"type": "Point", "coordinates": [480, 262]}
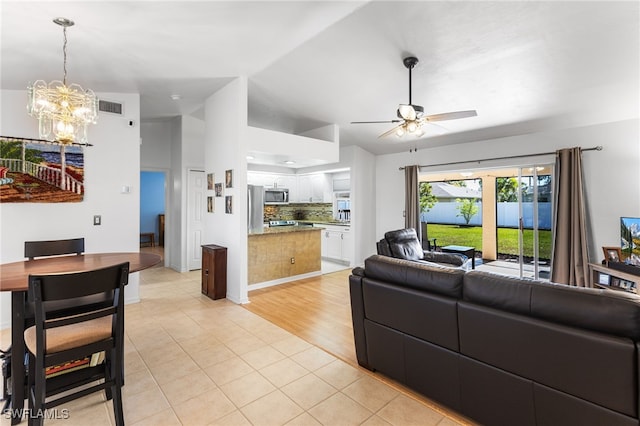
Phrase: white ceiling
{"type": "Point", "coordinates": [524, 66]}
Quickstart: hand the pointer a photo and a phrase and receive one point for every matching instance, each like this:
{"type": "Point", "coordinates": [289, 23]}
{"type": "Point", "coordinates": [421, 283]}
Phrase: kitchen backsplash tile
{"type": "Point", "coordinates": [299, 211]}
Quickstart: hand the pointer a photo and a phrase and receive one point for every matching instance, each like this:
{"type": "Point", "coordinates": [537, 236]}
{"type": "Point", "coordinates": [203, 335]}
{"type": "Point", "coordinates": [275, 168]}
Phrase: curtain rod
{"type": "Point", "coordinates": [595, 148]}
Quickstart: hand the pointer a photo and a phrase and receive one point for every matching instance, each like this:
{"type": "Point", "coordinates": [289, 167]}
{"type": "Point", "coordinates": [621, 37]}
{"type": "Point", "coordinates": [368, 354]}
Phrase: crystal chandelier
{"type": "Point", "coordinates": [63, 112]}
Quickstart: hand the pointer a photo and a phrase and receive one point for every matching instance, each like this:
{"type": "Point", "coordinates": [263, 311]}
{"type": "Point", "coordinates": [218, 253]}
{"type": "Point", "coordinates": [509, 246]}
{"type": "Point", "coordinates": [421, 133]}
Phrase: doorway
{"type": "Point", "coordinates": [511, 226]}
{"type": "Point", "coordinates": [153, 201]}
{"type": "Point", "coordinates": [524, 204]}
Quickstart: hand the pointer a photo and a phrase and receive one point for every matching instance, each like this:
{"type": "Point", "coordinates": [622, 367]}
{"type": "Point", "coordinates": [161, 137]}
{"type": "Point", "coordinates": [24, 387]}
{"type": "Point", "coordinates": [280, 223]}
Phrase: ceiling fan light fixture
{"type": "Point", "coordinates": [400, 131]}
{"type": "Point", "coordinates": [412, 127]}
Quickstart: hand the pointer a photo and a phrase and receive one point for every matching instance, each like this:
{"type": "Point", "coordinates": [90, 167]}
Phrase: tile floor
{"type": "Point", "coordinates": [194, 361]}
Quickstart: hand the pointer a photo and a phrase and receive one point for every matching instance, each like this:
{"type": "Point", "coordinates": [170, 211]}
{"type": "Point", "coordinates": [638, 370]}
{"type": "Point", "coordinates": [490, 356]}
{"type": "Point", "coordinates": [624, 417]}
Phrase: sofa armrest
{"type": "Point", "coordinates": [358, 271]}
{"type": "Point", "coordinates": [451, 258]}
{"type": "Point", "coordinates": [357, 318]}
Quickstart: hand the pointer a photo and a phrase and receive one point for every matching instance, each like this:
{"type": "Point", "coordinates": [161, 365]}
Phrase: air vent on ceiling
{"type": "Point", "coordinates": [111, 107]}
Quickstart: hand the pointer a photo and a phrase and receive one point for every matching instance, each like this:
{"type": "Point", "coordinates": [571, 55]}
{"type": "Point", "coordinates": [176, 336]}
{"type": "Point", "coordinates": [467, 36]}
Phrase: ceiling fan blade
{"type": "Point", "coordinates": [407, 112]}
{"type": "Point", "coordinates": [436, 127]}
{"type": "Point", "coordinates": [388, 132]}
{"type": "Point", "coordinates": [373, 122]}
{"type": "Point", "coordinates": [451, 115]}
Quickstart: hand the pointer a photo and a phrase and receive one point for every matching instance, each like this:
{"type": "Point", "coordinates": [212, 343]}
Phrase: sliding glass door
{"type": "Point", "coordinates": [524, 219]}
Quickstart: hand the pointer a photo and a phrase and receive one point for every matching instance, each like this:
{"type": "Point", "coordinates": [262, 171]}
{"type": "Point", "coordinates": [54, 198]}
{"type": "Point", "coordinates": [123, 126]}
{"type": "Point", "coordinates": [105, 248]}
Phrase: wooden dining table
{"type": "Point", "coordinates": [14, 277]}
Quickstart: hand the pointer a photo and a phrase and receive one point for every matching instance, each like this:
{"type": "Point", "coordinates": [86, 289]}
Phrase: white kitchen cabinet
{"type": "Point", "coordinates": [314, 188]}
{"type": "Point", "coordinates": [275, 180]}
{"type": "Point", "coordinates": [336, 242]}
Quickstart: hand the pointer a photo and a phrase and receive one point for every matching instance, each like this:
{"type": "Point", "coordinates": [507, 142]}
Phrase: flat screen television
{"type": "Point", "coordinates": [630, 240]}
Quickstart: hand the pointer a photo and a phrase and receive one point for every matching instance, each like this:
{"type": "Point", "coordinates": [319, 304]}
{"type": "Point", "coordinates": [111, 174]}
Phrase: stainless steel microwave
{"type": "Point", "coordinates": [276, 196]}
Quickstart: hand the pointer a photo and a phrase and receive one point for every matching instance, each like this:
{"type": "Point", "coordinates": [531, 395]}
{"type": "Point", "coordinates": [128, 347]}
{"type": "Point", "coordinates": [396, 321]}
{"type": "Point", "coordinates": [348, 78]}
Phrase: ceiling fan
{"type": "Point", "coordinates": [411, 117]}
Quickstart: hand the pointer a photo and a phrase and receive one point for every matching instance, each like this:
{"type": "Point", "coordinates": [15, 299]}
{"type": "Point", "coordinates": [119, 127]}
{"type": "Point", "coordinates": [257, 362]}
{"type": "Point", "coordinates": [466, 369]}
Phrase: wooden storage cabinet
{"type": "Point", "coordinates": [214, 271]}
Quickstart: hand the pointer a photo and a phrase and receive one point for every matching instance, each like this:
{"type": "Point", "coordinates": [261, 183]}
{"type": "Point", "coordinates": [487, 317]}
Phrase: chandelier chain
{"type": "Point", "coordinates": [64, 55]}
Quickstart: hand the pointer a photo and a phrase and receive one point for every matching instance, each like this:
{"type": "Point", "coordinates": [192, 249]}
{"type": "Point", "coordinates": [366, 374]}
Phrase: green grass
{"type": "Point", "coordinates": [507, 239]}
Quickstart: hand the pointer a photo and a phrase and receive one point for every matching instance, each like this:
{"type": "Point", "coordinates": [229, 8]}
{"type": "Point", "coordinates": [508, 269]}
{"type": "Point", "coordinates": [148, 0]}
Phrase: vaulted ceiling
{"type": "Point", "coordinates": [523, 66]}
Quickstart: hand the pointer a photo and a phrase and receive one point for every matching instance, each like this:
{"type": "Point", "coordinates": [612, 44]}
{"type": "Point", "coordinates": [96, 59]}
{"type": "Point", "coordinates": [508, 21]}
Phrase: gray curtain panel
{"type": "Point", "coordinates": [569, 258]}
{"type": "Point", "coordinates": [411, 200]}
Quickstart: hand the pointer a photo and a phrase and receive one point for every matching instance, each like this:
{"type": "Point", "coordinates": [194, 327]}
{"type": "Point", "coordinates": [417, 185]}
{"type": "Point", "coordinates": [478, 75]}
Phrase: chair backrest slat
{"type": "Point", "coordinates": [33, 249]}
{"type": "Point", "coordinates": [80, 284]}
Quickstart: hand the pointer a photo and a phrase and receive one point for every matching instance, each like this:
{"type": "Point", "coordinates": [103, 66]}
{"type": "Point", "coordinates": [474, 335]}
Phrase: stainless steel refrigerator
{"type": "Point", "coordinates": [255, 206]}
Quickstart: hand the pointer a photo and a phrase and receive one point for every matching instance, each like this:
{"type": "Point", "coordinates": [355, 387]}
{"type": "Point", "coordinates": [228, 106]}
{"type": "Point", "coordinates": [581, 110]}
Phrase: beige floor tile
{"type": "Point", "coordinates": [245, 344]}
{"type": "Point", "coordinates": [212, 355]}
{"type": "Point", "coordinates": [291, 345]}
{"type": "Point", "coordinates": [403, 410]}
{"type": "Point", "coordinates": [271, 333]}
{"type": "Point", "coordinates": [262, 357]}
{"type": "Point", "coordinates": [173, 369]}
{"type": "Point", "coordinates": [133, 363]}
{"type": "Point", "coordinates": [283, 372]}
{"type": "Point", "coordinates": [204, 409]}
{"type": "Point", "coordinates": [229, 370]}
{"type": "Point", "coordinates": [189, 386]}
{"type": "Point", "coordinates": [204, 340]}
{"type": "Point", "coordinates": [161, 355]}
{"type": "Point", "coordinates": [247, 389]}
{"type": "Point", "coordinates": [144, 404]}
{"type": "Point", "coordinates": [92, 408]}
{"type": "Point", "coordinates": [137, 382]}
{"type": "Point", "coordinates": [338, 373]}
{"type": "Point", "coordinates": [235, 418]}
{"type": "Point", "coordinates": [271, 410]}
{"type": "Point", "coordinates": [339, 409]}
{"type": "Point", "coordinates": [376, 421]}
{"type": "Point", "coordinates": [163, 418]}
{"type": "Point", "coordinates": [370, 392]}
{"type": "Point", "coordinates": [304, 419]}
{"type": "Point", "coordinates": [313, 358]}
{"type": "Point", "coordinates": [308, 391]}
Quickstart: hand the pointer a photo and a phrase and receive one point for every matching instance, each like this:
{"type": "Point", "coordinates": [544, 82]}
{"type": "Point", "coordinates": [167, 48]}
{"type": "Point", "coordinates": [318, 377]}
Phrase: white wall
{"type": "Point", "coordinates": [612, 176]}
{"type": "Point", "coordinates": [155, 151]}
{"type": "Point", "coordinates": [177, 235]}
{"type": "Point", "coordinates": [226, 149]}
{"type": "Point", "coordinates": [112, 161]}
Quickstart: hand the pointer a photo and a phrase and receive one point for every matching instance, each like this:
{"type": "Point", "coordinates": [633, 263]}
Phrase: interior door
{"type": "Point", "coordinates": [196, 187]}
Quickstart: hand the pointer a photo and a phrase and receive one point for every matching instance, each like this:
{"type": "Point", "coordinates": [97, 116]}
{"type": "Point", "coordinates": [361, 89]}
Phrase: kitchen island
{"type": "Point", "coordinates": [281, 254]}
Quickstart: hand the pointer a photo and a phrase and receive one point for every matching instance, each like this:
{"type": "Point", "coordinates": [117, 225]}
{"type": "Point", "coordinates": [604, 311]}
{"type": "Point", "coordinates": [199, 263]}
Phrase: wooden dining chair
{"type": "Point", "coordinates": [33, 249]}
{"type": "Point", "coordinates": [75, 338]}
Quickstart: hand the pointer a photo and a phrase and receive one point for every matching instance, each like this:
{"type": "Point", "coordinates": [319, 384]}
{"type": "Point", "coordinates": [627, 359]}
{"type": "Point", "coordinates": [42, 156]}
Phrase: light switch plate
{"type": "Point", "coordinates": [97, 220]}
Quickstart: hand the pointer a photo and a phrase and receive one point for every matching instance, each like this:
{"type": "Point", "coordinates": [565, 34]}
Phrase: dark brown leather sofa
{"type": "Point", "coordinates": [500, 350]}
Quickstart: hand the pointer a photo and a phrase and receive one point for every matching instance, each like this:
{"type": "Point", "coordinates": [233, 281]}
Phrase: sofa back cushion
{"type": "Point", "coordinates": [420, 314]}
{"type": "Point", "coordinates": [604, 311]}
{"type": "Point", "coordinates": [418, 275]}
{"type": "Point", "coordinates": [404, 244]}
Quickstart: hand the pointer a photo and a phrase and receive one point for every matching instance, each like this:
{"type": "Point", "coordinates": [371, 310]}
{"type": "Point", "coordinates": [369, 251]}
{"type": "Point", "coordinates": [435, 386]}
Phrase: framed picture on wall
{"type": "Point", "coordinates": [210, 180]}
{"type": "Point", "coordinates": [228, 204]}
{"type": "Point", "coordinates": [228, 179]}
{"type": "Point", "coordinates": [218, 187]}
{"type": "Point", "coordinates": [211, 206]}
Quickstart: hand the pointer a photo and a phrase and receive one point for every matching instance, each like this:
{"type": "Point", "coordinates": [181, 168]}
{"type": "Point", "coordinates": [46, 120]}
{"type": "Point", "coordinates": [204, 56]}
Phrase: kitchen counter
{"type": "Point", "coordinates": [325, 222]}
{"type": "Point", "coordinates": [282, 230]}
{"type": "Point", "coordinates": [283, 253]}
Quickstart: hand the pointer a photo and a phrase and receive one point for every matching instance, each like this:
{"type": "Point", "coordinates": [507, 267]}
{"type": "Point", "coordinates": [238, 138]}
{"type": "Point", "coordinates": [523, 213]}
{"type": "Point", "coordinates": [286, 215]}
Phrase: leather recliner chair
{"type": "Point", "coordinates": [404, 244]}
